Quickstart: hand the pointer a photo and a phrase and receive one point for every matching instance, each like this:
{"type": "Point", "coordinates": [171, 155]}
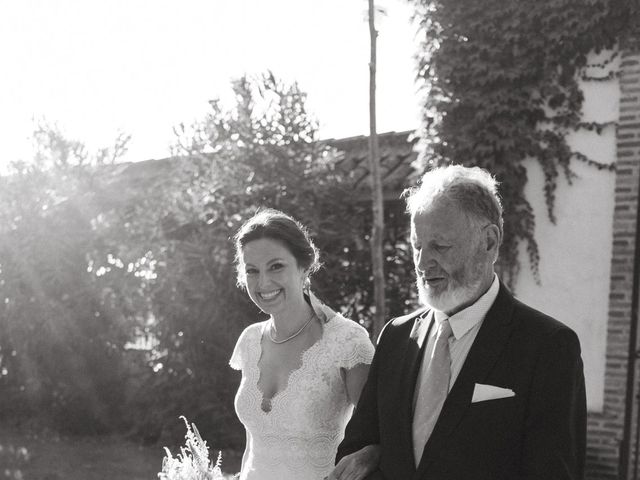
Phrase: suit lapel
{"type": "Point", "coordinates": [487, 347]}
{"type": "Point", "coordinates": [408, 373]}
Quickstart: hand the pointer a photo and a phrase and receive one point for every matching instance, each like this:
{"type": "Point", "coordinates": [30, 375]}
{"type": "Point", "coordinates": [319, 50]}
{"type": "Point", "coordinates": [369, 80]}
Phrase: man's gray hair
{"type": "Point", "coordinates": [473, 189]}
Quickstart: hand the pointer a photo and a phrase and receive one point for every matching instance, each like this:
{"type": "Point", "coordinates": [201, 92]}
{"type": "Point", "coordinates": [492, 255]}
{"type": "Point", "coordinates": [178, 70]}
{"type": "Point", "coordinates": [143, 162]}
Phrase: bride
{"type": "Point", "coordinates": [302, 369]}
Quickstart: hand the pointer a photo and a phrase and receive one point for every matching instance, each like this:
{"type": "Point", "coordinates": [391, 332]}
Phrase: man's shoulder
{"type": "Point", "coordinates": [399, 327]}
{"type": "Point", "coordinates": [405, 321]}
{"type": "Point", "coordinates": [409, 317]}
{"type": "Point", "coordinates": [536, 321]}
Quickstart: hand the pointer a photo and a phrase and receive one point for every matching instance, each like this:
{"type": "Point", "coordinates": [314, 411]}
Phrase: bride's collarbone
{"type": "Point", "coordinates": [278, 361]}
{"type": "Point", "coordinates": [296, 345]}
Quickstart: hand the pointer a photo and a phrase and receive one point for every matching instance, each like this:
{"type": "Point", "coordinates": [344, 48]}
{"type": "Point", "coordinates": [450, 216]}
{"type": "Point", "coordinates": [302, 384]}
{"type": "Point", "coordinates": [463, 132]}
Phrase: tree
{"type": "Point", "coordinates": [60, 347]}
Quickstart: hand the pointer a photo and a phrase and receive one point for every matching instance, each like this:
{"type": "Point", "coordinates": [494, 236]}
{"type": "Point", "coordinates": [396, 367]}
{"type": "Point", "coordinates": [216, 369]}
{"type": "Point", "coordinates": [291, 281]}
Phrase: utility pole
{"type": "Point", "coordinates": [377, 230]}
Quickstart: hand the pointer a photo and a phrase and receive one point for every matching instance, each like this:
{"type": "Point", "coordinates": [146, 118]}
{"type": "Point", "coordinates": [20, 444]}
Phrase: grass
{"type": "Point", "coordinates": [51, 457]}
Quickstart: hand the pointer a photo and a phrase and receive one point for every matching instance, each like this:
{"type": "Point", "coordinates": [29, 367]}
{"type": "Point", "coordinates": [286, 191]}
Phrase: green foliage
{"type": "Point", "coordinates": [12, 460]}
{"type": "Point", "coordinates": [501, 83]}
{"type": "Point", "coordinates": [59, 346]}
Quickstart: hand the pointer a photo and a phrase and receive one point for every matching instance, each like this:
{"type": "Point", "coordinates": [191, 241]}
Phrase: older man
{"type": "Point", "coordinates": [475, 385]}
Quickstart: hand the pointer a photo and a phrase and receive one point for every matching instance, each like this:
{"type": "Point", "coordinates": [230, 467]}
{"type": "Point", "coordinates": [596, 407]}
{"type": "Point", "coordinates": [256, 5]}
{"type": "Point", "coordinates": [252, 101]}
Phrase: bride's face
{"type": "Point", "coordinates": [273, 278]}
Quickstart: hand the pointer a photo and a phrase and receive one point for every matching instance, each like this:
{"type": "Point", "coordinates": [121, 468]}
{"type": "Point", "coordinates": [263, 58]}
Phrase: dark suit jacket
{"type": "Point", "coordinates": [540, 433]}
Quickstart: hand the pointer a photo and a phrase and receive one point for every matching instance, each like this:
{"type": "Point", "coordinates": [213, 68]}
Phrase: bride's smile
{"type": "Point", "coordinates": [275, 281]}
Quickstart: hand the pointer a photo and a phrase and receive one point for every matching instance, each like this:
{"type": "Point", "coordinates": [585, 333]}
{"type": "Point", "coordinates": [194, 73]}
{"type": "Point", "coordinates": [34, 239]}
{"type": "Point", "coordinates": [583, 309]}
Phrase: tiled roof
{"type": "Point", "coordinates": [397, 154]}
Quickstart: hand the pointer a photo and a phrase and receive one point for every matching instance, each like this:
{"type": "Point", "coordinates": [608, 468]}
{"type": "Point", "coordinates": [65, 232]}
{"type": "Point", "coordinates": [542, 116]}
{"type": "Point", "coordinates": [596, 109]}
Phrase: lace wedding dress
{"type": "Point", "coordinates": [298, 438]}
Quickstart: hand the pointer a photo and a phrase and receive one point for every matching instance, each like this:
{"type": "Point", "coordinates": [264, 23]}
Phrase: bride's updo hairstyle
{"type": "Point", "coordinates": [280, 227]}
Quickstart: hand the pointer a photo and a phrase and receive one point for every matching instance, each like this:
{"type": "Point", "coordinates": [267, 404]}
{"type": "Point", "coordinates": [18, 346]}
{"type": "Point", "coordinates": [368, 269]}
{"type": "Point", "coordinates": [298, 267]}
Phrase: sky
{"type": "Point", "coordinates": [96, 68]}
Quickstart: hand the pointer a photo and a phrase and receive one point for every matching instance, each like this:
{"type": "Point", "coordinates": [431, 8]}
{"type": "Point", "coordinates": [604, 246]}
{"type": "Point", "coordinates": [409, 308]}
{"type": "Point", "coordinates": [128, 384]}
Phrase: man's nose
{"type": "Point", "coordinates": [422, 260]}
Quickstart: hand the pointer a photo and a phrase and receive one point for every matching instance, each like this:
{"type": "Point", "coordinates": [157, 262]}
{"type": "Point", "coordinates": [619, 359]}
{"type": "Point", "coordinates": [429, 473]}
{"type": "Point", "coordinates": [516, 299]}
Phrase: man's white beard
{"type": "Point", "coordinates": [452, 297]}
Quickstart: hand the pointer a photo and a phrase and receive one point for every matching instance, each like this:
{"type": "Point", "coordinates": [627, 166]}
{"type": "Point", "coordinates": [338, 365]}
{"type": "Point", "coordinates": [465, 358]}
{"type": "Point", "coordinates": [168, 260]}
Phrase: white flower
{"type": "Point", "coordinates": [192, 463]}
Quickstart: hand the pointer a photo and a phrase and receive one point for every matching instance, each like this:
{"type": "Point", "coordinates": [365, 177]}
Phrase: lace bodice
{"type": "Point", "coordinates": [298, 438]}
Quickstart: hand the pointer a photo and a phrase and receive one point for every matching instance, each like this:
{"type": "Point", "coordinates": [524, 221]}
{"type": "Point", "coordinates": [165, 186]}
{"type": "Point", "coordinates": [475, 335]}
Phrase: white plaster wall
{"type": "Point", "coordinates": [575, 253]}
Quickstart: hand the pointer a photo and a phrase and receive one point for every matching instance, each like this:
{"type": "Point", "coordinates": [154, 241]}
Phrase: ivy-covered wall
{"type": "Point", "coordinates": [572, 283]}
{"type": "Point", "coordinates": [501, 85]}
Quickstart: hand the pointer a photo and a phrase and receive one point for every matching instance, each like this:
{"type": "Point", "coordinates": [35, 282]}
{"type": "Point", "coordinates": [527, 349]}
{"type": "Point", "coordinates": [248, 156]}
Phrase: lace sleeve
{"type": "Point", "coordinates": [239, 355]}
{"type": "Point", "coordinates": [357, 346]}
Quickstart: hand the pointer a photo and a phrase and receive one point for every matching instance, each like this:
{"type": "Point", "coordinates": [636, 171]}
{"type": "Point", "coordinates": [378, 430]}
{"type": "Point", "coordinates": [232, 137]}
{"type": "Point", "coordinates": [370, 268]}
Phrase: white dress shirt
{"type": "Point", "coordinates": [465, 325]}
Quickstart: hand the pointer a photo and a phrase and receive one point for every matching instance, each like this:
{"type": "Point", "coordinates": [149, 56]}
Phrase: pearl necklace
{"type": "Point", "coordinates": [313, 314]}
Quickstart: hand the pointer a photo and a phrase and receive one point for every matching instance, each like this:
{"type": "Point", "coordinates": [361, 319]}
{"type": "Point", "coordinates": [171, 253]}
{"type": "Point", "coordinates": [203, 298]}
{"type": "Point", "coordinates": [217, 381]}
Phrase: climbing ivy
{"type": "Point", "coordinates": [501, 83]}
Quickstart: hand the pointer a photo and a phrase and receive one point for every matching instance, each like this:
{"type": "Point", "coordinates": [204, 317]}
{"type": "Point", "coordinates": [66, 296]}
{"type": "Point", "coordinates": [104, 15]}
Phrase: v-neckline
{"type": "Point", "coordinates": [292, 372]}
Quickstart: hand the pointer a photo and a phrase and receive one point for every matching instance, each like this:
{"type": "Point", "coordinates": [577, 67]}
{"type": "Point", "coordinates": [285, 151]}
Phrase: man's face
{"type": "Point", "coordinates": [453, 257]}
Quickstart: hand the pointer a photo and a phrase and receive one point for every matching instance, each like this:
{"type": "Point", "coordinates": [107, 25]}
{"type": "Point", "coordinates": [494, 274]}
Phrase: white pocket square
{"type": "Point", "coordinates": [483, 392]}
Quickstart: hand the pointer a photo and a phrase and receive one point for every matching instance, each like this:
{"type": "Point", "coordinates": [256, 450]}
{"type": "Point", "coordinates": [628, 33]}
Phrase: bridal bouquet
{"type": "Point", "coordinates": [192, 463]}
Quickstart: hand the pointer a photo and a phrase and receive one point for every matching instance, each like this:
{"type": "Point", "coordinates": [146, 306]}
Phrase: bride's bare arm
{"type": "Point", "coordinates": [357, 465]}
{"type": "Point", "coordinates": [354, 380]}
{"type": "Point", "coordinates": [244, 455]}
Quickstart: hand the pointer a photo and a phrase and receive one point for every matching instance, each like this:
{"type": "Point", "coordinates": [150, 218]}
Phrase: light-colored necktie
{"type": "Point", "coordinates": [433, 390]}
